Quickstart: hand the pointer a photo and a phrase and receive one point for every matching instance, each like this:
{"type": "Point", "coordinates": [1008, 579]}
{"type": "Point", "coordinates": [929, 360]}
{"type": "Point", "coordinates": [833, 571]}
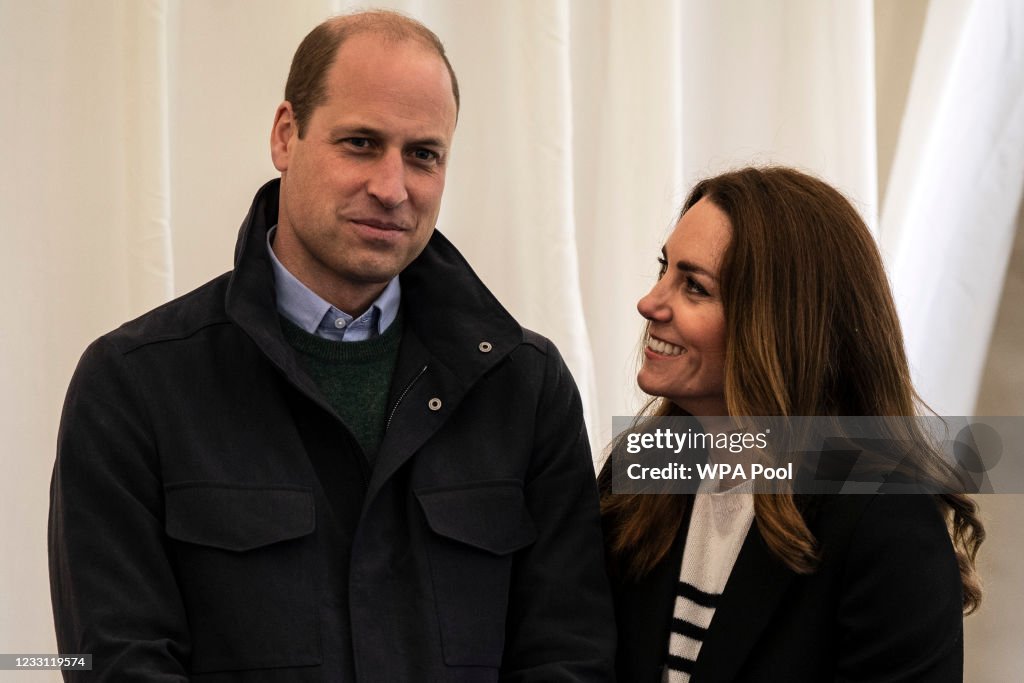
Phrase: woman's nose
{"type": "Point", "coordinates": [652, 306]}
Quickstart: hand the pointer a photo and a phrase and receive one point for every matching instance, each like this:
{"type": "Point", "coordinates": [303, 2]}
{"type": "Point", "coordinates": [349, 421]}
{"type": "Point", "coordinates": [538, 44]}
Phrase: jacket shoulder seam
{"type": "Point", "coordinates": [137, 344]}
{"type": "Point", "coordinates": [173, 320]}
{"type": "Point", "coordinates": [537, 341]}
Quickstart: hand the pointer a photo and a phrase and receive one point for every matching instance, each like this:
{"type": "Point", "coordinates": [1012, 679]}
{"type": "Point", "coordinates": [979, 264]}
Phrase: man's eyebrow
{"type": "Point", "coordinates": [435, 143]}
{"type": "Point", "coordinates": [354, 132]}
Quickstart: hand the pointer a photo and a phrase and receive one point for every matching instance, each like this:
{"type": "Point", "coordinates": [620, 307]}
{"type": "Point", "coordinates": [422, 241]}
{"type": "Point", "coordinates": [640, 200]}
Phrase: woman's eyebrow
{"type": "Point", "coordinates": [691, 267]}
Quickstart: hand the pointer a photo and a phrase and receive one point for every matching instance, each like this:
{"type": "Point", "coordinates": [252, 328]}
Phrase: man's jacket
{"type": "Point", "coordinates": [212, 519]}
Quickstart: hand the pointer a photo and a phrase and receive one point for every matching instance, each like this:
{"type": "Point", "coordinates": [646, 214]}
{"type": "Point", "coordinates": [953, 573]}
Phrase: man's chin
{"type": "Point", "coordinates": [371, 277]}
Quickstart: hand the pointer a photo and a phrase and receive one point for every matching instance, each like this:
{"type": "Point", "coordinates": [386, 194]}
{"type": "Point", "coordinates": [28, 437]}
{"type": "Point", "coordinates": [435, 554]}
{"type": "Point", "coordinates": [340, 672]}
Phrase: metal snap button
{"type": "Point", "coordinates": [485, 347]}
{"type": "Point", "coordinates": [434, 404]}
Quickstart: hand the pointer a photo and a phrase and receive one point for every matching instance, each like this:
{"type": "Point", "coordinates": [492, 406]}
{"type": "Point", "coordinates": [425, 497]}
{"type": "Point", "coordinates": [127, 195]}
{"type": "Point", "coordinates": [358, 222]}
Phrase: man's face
{"type": "Point", "coordinates": [361, 190]}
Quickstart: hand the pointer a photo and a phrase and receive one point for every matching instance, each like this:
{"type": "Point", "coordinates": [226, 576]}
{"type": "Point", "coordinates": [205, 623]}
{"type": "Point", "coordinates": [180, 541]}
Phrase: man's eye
{"type": "Point", "coordinates": [360, 143]}
{"type": "Point", "coordinates": [427, 155]}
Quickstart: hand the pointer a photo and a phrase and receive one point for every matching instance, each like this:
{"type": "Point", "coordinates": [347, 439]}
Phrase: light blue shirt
{"type": "Point", "coordinates": [300, 305]}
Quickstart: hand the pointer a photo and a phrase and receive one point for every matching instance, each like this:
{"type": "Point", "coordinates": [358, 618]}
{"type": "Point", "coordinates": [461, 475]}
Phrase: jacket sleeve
{"type": "Point", "coordinates": [560, 623]}
{"type": "Point", "coordinates": [113, 590]}
{"type": "Point", "coordinates": [900, 615]}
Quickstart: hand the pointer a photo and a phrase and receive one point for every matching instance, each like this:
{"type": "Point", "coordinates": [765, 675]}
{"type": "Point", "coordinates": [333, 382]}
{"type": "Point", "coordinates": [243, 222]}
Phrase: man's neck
{"type": "Point", "coordinates": [351, 297]}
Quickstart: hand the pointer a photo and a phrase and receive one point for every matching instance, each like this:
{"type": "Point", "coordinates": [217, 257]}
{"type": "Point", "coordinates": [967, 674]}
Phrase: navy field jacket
{"type": "Point", "coordinates": [212, 519]}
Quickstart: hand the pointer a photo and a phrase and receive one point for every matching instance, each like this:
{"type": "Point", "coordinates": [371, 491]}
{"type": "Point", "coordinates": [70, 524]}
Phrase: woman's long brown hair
{"type": "Point", "coordinates": [811, 329]}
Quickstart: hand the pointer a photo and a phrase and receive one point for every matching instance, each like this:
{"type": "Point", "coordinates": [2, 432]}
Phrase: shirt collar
{"type": "Point", "coordinates": [303, 307]}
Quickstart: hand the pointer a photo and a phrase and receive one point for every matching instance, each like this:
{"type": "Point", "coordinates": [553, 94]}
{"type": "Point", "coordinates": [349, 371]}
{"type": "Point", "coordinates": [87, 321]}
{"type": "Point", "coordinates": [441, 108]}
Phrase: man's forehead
{"type": "Point", "coordinates": [382, 65]}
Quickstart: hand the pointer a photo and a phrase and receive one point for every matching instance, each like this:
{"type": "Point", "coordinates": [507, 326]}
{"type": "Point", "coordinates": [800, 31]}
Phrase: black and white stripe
{"type": "Point", "coordinates": [718, 525]}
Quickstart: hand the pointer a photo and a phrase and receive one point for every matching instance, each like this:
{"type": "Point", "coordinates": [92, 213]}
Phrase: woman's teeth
{"type": "Point", "coordinates": [663, 347]}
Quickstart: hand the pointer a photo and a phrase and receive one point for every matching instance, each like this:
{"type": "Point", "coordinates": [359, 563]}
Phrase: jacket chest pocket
{"type": "Point", "coordinates": [476, 531]}
{"type": "Point", "coordinates": [243, 559]}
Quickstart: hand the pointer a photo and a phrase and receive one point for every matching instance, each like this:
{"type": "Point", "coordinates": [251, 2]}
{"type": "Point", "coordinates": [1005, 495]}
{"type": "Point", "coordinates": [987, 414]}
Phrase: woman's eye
{"type": "Point", "coordinates": [662, 266]}
{"type": "Point", "coordinates": [695, 287]}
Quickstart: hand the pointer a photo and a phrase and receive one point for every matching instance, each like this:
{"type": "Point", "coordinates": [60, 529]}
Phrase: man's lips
{"type": "Point", "coordinates": [380, 224]}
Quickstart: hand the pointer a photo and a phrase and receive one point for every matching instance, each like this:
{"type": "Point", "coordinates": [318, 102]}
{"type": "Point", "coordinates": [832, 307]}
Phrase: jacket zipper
{"type": "Point", "coordinates": [405, 391]}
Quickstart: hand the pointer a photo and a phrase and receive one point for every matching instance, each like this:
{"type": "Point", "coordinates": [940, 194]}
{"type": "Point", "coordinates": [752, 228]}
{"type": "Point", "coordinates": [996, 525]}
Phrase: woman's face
{"type": "Point", "coordinates": [684, 352]}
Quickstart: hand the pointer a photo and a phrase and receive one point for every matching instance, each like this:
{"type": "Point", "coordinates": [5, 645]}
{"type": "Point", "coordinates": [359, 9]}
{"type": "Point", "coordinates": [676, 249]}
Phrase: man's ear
{"type": "Point", "coordinates": [284, 132]}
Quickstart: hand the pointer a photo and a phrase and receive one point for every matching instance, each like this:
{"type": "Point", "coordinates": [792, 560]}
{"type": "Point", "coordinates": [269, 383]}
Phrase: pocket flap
{"type": "Point", "coordinates": [491, 516]}
{"type": "Point", "coordinates": [237, 518]}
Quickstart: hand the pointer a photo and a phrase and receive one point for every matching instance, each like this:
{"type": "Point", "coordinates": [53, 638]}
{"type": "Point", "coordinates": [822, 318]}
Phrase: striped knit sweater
{"type": "Point", "coordinates": [718, 526]}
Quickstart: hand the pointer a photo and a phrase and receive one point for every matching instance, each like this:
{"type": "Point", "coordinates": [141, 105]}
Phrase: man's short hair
{"type": "Point", "coordinates": [306, 88]}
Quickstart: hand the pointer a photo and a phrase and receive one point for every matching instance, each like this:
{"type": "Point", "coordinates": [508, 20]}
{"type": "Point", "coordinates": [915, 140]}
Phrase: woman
{"type": "Point", "coordinates": [772, 300]}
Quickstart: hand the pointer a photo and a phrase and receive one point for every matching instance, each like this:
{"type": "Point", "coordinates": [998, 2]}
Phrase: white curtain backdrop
{"type": "Point", "coordinates": [950, 214]}
{"type": "Point", "coordinates": [136, 132]}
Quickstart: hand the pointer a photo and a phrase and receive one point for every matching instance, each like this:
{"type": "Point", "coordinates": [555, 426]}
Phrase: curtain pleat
{"type": "Point", "coordinates": [950, 214]}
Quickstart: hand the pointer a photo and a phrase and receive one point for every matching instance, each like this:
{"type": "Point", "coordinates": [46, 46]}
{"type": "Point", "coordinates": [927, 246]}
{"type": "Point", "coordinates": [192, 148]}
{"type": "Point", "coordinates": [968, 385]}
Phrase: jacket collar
{"type": "Point", "coordinates": [453, 313]}
{"type": "Point", "coordinates": [250, 301]}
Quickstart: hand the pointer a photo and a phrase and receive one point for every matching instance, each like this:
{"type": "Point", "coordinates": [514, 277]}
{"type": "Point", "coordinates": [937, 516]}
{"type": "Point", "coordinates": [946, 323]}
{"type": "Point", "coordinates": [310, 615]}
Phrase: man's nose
{"type": "Point", "coordinates": [387, 180]}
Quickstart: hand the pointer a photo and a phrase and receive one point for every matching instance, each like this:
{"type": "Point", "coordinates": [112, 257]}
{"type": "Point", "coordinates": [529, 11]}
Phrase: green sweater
{"type": "Point", "coordinates": [353, 376]}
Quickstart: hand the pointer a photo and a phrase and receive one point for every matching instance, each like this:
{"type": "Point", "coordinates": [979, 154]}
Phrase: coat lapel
{"type": "Point", "coordinates": [754, 591]}
{"type": "Point", "coordinates": [644, 613]}
{"type": "Point", "coordinates": [412, 418]}
{"type": "Point", "coordinates": [457, 330]}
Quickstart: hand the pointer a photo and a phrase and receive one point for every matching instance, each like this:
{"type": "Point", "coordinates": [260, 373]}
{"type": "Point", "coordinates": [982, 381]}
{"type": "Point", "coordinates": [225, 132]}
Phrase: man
{"type": "Point", "coordinates": [343, 460]}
